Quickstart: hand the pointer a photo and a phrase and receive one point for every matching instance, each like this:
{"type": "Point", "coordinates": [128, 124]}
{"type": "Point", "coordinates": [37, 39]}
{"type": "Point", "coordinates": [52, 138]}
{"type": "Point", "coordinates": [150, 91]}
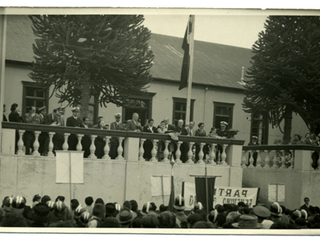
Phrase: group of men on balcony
{"type": "Point", "coordinates": [56, 118]}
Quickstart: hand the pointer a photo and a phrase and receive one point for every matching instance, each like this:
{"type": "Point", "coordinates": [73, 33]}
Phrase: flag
{"type": "Point", "coordinates": [186, 57]}
{"type": "Point", "coordinates": [201, 191]}
{"type": "Point", "coordinates": [171, 200]}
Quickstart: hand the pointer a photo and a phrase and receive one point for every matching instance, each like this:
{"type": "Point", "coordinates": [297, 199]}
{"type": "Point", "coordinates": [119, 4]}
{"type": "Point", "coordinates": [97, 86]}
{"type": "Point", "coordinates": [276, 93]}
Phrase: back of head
{"type": "Point", "coordinates": [36, 198]}
{"type": "Point", "coordinates": [153, 206]}
{"type": "Point", "coordinates": [99, 211]}
{"type": "Point", "coordinates": [167, 220]}
{"type": "Point", "coordinates": [232, 217]}
{"type": "Point", "coordinates": [221, 219]}
{"type": "Point", "coordinates": [18, 202]}
{"type": "Point", "coordinates": [150, 221]}
{"type": "Point", "coordinates": [110, 222]}
{"type": "Point", "coordinates": [127, 205]}
{"type": "Point", "coordinates": [61, 198]}
{"type": "Point", "coordinates": [193, 218]}
{"type": "Point", "coordinates": [163, 208]}
{"type": "Point", "coordinates": [99, 200]}
{"type": "Point", "coordinates": [134, 205]}
{"type": "Point", "coordinates": [45, 199]}
{"type": "Point", "coordinates": [74, 204]}
{"type": "Point", "coordinates": [137, 222]}
{"type": "Point", "coordinates": [88, 200]}
{"type": "Point", "coordinates": [203, 224]}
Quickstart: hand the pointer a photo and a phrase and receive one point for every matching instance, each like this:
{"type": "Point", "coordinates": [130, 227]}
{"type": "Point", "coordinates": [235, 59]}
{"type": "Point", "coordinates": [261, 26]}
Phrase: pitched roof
{"type": "Point", "coordinates": [214, 64]}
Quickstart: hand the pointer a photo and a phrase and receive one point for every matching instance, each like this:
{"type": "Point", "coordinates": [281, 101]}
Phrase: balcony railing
{"type": "Point", "coordinates": [281, 157]}
{"type": "Point", "coordinates": [131, 144]}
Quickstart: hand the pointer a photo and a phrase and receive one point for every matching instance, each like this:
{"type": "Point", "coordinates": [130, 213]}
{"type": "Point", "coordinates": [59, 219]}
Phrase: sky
{"type": "Point", "coordinates": [234, 30]}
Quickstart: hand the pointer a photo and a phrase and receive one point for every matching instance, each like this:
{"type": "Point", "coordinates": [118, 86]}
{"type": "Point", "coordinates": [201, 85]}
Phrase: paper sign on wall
{"type": "Point", "coordinates": [160, 185]}
{"type": "Point", "coordinates": [276, 192]}
{"type": "Point", "coordinates": [69, 162]}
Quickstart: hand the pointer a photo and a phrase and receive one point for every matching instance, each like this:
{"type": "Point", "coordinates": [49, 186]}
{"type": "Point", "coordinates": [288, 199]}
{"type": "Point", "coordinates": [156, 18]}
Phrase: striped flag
{"type": "Point", "coordinates": [186, 57]}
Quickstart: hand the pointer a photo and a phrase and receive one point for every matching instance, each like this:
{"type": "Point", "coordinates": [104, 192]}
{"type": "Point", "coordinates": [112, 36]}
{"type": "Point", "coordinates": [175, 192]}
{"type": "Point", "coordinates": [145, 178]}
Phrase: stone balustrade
{"type": "Point", "coordinates": [131, 145]}
{"type": "Point", "coordinates": [298, 157]}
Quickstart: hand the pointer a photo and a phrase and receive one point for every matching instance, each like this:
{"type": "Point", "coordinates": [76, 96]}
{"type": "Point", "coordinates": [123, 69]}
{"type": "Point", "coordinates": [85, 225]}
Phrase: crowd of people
{"type": "Point", "coordinates": [56, 118]}
{"type": "Point", "coordinates": [46, 212]}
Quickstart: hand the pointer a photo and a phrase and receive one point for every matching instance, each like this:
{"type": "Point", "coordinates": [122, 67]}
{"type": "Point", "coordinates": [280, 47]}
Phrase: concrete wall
{"type": "Point", "coordinates": [111, 180]}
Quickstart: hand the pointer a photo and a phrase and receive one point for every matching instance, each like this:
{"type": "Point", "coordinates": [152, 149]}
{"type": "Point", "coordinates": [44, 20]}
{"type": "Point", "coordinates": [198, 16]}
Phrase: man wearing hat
{"type": "Point", "coordinates": [73, 121]}
{"type": "Point", "coordinates": [263, 214]}
{"type": "Point", "coordinates": [247, 221]}
{"type": "Point", "coordinates": [179, 207]}
{"type": "Point", "coordinates": [114, 141]}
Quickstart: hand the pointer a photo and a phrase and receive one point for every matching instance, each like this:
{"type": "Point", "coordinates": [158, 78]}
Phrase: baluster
{"type": "Point", "coordinates": [92, 147]}
{"type": "Point", "coordinates": [65, 145]}
{"type": "Point", "coordinates": [283, 160]}
{"type": "Point", "coordinates": [251, 159]}
{"type": "Point", "coordinates": [190, 153]}
{"type": "Point", "coordinates": [50, 146]}
{"type": "Point", "coordinates": [275, 160]}
{"type": "Point", "coordinates": [141, 150]}
{"type": "Point", "coordinates": [20, 143]}
{"type": "Point", "coordinates": [244, 159]}
{"type": "Point", "coordinates": [36, 144]}
{"type": "Point", "coordinates": [224, 155]}
{"type": "Point", "coordinates": [266, 160]}
{"type": "Point", "coordinates": [259, 161]}
{"type": "Point", "coordinates": [166, 151]}
{"type": "Point", "coordinates": [106, 149]}
{"type": "Point", "coordinates": [79, 145]}
{"type": "Point", "coordinates": [201, 154]}
{"type": "Point", "coordinates": [178, 152]}
{"type": "Point", "coordinates": [120, 149]}
{"type": "Point", "coordinates": [154, 150]}
{"type": "Point", "coordinates": [292, 160]}
{"type": "Point", "coordinates": [212, 154]}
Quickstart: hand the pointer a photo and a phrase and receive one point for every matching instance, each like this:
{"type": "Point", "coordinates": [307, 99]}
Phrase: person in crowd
{"type": "Point", "coordinates": [99, 142]}
{"type": "Point", "coordinates": [167, 219]}
{"type": "Point", "coordinates": [212, 217]}
{"type": "Point", "coordinates": [193, 218]}
{"type": "Point", "coordinates": [98, 120]}
{"type": "Point", "coordinates": [125, 218]}
{"type": "Point", "coordinates": [263, 214]}
{"type": "Point", "coordinates": [150, 221]}
{"type": "Point", "coordinates": [148, 144]}
{"type": "Point", "coordinates": [222, 132]}
{"type": "Point", "coordinates": [110, 222]}
{"type": "Point", "coordinates": [200, 132]}
{"type": "Point", "coordinates": [162, 127]}
{"type": "Point", "coordinates": [110, 210]}
{"type": "Point", "coordinates": [88, 201]}
{"type": "Point", "coordinates": [306, 206]}
{"type": "Point", "coordinates": [179, 206]}
{"type": "Point", "coordinates": [98, 216]}
{"type": "Point", "coordinates": [184, 147]}
{"type": "Point", "coordinates": [134, 207]}
{"type": "Point", "coordinates": [162, 130]}
{"type": "Point", "coordinates": [190, 129]}
{"type": "Point", "coordinates": [15, 116]}
{"type": "Point", "coordinates": [213, 133]}
{"type": "Point", "coordinates": [28, 137]}
{"type": "Point", "coordinates": [73, 121]}
{"type": "Point", "coordinates": [134, 124]}
{"type": "Point", "coordinates": [247, 221]}
{"type": "Point", "coordinates": [167, 126]}
{"type": "Point", "coordinates": [86, 140]}
{"type": "Point", "coordinates": [296, 139]}
{"type": "Point", "coordinates": [253, 142]}
{"type": "Point", "coordinates": [114, 141]}
{"type": "Point", "coordinates": [4, 118]}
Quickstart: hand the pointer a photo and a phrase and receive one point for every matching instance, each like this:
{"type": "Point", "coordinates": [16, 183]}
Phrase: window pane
{"type": "Point", "coordinates": [30, 92]}
{"type": "Point", "coordinates": [40, 93]}
{"type": "Point", "coordinates": [29, 103]}
{"type": "Point", "coordinates": [39, 104]}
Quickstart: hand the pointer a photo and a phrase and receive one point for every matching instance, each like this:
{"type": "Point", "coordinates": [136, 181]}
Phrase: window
{"type": "Point", "coordinates": [139, 104]}
{"type": "Point", "coordinates": [34, 95]}
{"type": "Point", "coordinates": [260, 127]}
{"type": "Point", "coordinates": [180, 109]}
{"type": "Point", "coordinates": [222, 112]}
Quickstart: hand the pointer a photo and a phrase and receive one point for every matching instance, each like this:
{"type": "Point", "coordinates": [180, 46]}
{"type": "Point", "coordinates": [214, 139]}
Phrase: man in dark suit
{"type": "Point", "coordinates": [73, 121]}
{"type": "Point", "coordinates": [43, 137]}
{"type": "Point", "coordinates": [184, 148]}
{"type": "Point", "coordinates": [134, 124]}
{"type": "Point", "coordinates": [86, 140]}
{"type": "Point", "coordinates": [148, 145]}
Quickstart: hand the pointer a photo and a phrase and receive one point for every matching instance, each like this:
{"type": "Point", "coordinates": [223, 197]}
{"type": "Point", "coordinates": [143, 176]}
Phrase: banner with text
{"type": "Point", "coordinates": [222, 195]}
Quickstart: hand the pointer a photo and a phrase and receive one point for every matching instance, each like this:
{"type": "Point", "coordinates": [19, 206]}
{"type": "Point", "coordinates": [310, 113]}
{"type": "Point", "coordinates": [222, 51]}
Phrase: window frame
{"type": "Point", "coordinates": [223, 104]}
{"type": "Point", "coordinates": [182, 100]}
{"type": "Point", "coordinates": [24, 94]}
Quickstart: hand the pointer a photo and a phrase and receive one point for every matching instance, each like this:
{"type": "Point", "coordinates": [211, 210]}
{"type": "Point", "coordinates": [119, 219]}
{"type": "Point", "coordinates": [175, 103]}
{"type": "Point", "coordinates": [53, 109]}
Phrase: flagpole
{"type": "Point", "coordinates": [3, 30]}
{"type": "Point", "coordinates": [191, 44]}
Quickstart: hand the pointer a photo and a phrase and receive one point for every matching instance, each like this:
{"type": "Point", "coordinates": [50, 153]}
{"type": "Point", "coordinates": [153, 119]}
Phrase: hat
{"type": "Point", "coordinates": [223, 123]}
{"type": "Point", "coordinates": [197, 206]}
{"type": "Point", "coordinates": [18, 202]}
{"type": "Point", "coordinates": [110, 209]}
{"type": "Point", "coordinates": [117, 115]}
{"type": "Point", "coordinates": [45, 199]}
{"type": "Point", "coordinates": [247, 221]}
{"type": "Point", "coordinates": [99, 210]}
{"type": "Point", "coordinates": [75, 109]}
{"type": "Point", "coordinates": [125, 217]}
{"type": "Point", "coordinates": [59, 207]}
{"type": "Point", "coordinates": [84, 218]}
{"type": "Point", "coordinates": [232, 216]}
{"type": "Point", "coordinates": [212, 217]}
{"type": "Point", "coordinates": [41, 212]}
{"type": "Point", "coordinates": [50, 204]}
{"type": "Point", "coordinates": [276, 209]}
{"type": "Point", "coordinates": [296, 214]}
{"type": "Point", "coordinates": [261, 211]}
{"type": "Point", "coordinates": [78, 211]}
{"type": "Point", "coordinates": [255, 137]}
{"type": "Point", "coordinates": [179, 203]}
{"type": "Point", "coordinates": [193, 218]}
{"type": "Point", "coordinates": [304, 214]}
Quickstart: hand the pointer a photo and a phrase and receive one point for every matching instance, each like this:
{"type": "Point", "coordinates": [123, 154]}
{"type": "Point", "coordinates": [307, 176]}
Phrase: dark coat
{"type": "Point", "coordinates": [15, 117]}
{"type": "Point", "coordinates": [131, 126]}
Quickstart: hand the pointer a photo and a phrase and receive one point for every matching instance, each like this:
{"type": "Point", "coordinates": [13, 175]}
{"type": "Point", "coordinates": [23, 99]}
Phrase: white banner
{"type": "Point", "coordinates": [234, 195]}
{"type": "Point", "coordinates": [223, 195]}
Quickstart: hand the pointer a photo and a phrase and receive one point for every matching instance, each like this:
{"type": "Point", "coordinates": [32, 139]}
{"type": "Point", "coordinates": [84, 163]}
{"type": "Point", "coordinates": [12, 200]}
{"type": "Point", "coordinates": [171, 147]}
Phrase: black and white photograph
{"type": "Point", "coordinates": [160, 121]}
